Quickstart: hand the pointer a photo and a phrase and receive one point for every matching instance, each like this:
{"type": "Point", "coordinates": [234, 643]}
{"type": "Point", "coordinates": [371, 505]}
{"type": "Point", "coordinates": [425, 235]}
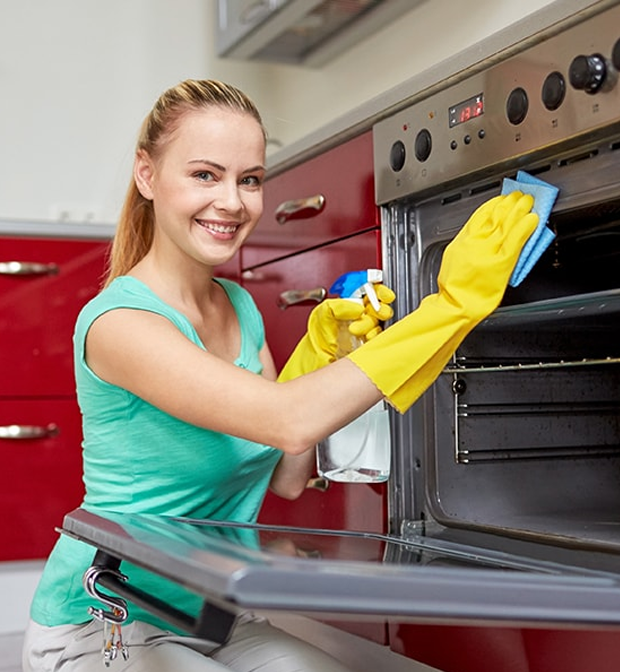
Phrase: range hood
{"type": "Point", "coordinates": [300, 32]}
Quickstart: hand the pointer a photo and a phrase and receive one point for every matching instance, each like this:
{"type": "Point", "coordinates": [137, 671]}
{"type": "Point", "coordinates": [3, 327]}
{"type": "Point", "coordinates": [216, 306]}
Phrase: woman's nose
{"type": "Point", "coordinates": [229, 197]}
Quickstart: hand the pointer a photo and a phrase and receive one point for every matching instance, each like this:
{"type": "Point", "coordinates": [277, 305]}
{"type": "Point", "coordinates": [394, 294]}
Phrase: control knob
{"type": "Point", "coordinates": [587, 73]}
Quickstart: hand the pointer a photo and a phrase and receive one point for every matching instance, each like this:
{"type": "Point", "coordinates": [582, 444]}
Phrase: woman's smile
{"type": "Point", "coordinates": [220, 230]}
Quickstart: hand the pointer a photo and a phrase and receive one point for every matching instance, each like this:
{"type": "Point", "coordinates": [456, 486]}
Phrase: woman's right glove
{"type": "Point", "coordinates": [406, 358]}
{"type": "Point", "coordinates": [319, 346]}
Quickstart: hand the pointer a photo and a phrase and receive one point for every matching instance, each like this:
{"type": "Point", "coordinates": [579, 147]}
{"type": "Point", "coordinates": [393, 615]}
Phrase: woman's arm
{"type": "Point", "coordinates": [292, 472]}
{"type": "Point", "coordinates": [147, 355]}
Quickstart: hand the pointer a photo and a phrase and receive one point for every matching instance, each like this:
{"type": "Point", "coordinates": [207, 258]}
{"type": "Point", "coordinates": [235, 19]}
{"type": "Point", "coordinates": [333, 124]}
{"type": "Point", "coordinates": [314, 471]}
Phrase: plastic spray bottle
{"type": "Point", "coordinates": [354, 286]}
{"type": "Point", "coordinates": [360, 451]}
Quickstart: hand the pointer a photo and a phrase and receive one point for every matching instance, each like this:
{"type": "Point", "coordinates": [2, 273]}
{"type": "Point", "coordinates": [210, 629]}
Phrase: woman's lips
{"type": "Point", "coordinates": [218, 227]}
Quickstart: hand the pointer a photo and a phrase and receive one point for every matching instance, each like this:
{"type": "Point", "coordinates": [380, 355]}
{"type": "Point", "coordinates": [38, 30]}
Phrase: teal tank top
{"type": "Point", "coordinates": [138, 459]}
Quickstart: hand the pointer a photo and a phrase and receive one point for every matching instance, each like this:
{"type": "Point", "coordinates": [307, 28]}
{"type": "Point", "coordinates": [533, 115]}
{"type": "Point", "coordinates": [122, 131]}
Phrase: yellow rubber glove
{"type": "Point", "coordinates": [319, 345]}
{"type": "Point", "coordinates": [406, 358]}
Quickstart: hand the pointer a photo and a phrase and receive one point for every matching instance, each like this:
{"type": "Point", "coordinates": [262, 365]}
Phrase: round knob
{"type": "Point", "coordinates": [423, 145]}
{"type": "Point", "coordinates": [517, 106]}
{"type": "Point", "coordinates": [554, 90]}
{"type": "Point", "coordinates": [397, 156]}
{"type": "Point", "coordinates": [587, 73]}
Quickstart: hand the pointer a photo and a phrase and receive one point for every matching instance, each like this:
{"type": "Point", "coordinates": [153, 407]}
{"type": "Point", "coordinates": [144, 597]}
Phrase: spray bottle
{"type": "Point", "coordinates": [360, 451]}
{"type": "Point", "coordinates": [354, 286]}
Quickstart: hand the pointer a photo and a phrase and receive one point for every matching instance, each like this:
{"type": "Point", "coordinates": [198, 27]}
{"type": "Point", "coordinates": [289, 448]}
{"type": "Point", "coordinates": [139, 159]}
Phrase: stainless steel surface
{"type": "Point", "coordinates": [351, 573]}
{"type": "Point", "coordinates": [308, 32]}
{"type": "Point", "coordinates": [521, 435]}
{"type": "Point", "coordinates": [427, 146]}
{"type": "Point", "coordinates": [533, 29]}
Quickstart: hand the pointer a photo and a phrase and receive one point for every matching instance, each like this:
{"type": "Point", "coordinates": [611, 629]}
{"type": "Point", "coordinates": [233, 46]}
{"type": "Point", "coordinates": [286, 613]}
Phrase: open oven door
{"type": "Point", "coordinates": [419, 577]}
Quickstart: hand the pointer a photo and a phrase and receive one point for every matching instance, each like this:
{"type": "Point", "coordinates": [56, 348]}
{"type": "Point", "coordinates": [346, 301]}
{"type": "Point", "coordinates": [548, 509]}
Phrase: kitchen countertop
{"type": "Point", "coordinates": [530, 30]}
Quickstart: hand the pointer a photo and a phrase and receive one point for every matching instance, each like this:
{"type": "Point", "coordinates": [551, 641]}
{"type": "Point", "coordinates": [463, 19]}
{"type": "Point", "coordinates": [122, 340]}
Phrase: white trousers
{"type": "Point", "coordinates": [255, 645]}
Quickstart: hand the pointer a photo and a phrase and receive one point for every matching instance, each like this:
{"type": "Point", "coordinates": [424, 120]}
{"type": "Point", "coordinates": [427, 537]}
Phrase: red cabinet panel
{"type": "Point", "coordinates": [488, 649]}
{"type": "Point", "coordinates": [42, 474]}
{"type": "Point", "coordinates": [310, 270]}
{"type": "Point", "coordinates": [39, 302]}
{"type": "Point", "coordinates": [342, 177]}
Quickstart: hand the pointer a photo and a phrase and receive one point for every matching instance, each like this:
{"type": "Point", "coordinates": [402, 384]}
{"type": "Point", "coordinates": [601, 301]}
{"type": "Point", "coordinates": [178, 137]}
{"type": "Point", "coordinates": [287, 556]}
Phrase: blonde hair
{"type": "Point", "coordinates": [134, 233]}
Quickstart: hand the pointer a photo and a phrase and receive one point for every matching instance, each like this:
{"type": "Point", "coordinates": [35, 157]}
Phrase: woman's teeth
{"type": "Point", "coordinates": [220, 228]}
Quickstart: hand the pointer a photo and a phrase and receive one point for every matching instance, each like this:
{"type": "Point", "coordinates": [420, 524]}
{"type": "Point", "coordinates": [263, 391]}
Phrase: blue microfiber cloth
{"type": "Point", "coordinates": [544, 195]}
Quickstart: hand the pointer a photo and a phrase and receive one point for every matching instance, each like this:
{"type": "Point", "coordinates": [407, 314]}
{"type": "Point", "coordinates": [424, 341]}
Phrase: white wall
{"type": "Point", "coordinates": [78, 76]}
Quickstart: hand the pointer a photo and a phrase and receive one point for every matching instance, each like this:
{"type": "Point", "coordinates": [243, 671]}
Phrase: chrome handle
{"type": "Point", "coordinates": [294, 296]}
{"type": "Point", "coordinates": [300, 208]}
{"type": "Point", "coordinates": [27, 268]}
{"type": "Point", "coordinates": [28, 431]}
{"type": "Point", "coordinates": [317, 483]}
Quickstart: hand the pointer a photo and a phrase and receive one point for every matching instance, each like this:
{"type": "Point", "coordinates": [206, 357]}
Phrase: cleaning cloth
{"type": "Point", "coordinates": [544, 195]}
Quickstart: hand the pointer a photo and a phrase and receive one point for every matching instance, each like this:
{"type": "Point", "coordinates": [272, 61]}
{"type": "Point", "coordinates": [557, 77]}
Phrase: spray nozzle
{"type": "Point", "coordinates": [356, 284]}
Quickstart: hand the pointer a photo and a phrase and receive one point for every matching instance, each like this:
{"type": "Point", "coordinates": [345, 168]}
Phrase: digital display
{"type": "Point", "coordinates": [468, 109]}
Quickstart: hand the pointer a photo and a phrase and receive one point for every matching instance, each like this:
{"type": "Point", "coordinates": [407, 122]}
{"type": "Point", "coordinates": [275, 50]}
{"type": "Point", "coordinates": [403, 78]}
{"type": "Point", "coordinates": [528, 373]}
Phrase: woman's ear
{"type": "Point", "coordinates": [143, 172]}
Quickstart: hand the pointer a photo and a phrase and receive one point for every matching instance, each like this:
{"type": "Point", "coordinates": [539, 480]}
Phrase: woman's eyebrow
{"type": "Point", "coordinates": [223, 168]}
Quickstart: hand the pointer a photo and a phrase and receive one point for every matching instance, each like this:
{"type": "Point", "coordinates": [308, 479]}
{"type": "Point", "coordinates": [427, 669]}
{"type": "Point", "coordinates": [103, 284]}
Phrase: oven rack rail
{"type": "Point", "coordinates": [457, 367]}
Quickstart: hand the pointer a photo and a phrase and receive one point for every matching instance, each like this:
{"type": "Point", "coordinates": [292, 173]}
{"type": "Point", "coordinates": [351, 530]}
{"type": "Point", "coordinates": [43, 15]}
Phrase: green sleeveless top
{"type": "Point", "coordinates": [139, 459]}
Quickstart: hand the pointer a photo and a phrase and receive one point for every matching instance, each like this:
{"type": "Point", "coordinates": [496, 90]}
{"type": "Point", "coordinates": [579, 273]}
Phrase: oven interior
{"type": "Point", "coordinates": [522, 430]}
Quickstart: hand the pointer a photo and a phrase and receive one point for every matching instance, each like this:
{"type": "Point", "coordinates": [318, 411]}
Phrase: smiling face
{"type": "Point", "coordinates": [205, 184]}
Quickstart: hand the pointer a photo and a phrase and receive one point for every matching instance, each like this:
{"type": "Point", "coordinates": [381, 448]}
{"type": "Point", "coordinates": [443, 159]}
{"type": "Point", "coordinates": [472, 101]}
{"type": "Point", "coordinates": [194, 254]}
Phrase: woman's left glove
{"type": "Point", "coordinates": [319, 345]}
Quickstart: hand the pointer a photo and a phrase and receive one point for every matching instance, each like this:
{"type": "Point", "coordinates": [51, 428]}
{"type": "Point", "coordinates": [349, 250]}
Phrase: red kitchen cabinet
{"type": "Point", "coordinates": [40, 440]}
{"type": "Point", "coordinates": [488, 649]}
{"type": "Point", "coordinates": [326, 198]}
{"type": "Point", "coordinates": [44, 283]}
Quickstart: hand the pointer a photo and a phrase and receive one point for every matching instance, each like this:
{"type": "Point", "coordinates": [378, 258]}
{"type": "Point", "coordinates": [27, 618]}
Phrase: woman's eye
{"type": "Point", "coordinates": [252, 181]}
{"type": "Point", "coordinates": [204, 175]}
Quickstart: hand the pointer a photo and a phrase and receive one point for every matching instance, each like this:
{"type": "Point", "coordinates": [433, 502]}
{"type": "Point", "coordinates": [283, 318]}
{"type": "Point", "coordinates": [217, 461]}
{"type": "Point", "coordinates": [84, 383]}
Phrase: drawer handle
{"type": "Point", "coordinates": [301, 208]}
{"type": "Point", "coordinates": [27, 268]}
{"type": "Point", "coordinates": [294, 296]}
{"type": "Point", "coordinates": [28, 431]}
{"type": "Point", "coordinates": [317, 483]}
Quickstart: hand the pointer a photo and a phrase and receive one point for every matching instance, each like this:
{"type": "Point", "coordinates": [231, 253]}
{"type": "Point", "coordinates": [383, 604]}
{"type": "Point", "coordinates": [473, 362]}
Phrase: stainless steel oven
{"type": "Point", "coordinates": [520, 436]}
{"type": "Point", "coordinates": [505, 488]}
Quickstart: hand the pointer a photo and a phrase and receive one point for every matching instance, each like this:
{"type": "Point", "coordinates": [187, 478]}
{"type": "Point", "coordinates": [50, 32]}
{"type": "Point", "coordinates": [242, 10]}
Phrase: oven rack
{"type": "Point", "coordinates": [459, 367]}
{"type": "Point", "coordinates": [577, 306]}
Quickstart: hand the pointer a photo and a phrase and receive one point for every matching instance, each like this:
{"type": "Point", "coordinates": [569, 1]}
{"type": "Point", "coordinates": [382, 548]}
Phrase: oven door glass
{"type": "Point", "coordinates": [341, 573]}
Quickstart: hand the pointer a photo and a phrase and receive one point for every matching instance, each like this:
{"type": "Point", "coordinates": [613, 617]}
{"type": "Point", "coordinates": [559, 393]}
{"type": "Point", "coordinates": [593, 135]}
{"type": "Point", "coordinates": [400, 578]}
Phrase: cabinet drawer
{"type": "Point", "coordinates": [40, 445]}
{"type": "Point", "coordinates": [323, 199]}
{"type": "Point", "coordinates": [305, 273]}
{"type": "Point", "coordinates": [43, 285]}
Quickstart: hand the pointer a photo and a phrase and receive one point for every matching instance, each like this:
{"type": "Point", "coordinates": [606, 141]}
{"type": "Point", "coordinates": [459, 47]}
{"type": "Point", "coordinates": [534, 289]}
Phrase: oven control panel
{"type": "Point", "coordinates": [555, 92]}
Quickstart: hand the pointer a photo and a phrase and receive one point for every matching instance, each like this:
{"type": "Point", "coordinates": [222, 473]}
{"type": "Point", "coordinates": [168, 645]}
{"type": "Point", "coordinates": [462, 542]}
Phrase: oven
{"type": "Point", "coordinates": [505, 487]}
{"type": "Point", "coordinates": [520, 436]}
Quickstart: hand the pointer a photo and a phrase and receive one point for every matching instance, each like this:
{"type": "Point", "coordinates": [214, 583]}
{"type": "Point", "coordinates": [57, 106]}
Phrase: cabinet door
{"type": "Point", "coordinates": [323, 199]}
{"type": "Point", "coordinates": [341, 506]}
{"type": "Point", "coordinates": [43, 285]}
{"type": "Point", "coordinates": [40, 444]}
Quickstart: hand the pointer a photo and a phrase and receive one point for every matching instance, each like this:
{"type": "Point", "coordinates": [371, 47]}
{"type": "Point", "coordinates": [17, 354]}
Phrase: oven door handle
{"type": "Point", "coordinates": [214, 623]}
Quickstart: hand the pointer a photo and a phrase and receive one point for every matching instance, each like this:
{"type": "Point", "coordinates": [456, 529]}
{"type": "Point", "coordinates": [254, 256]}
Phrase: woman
{"type": "Point", "coordinates": [182, 413]}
